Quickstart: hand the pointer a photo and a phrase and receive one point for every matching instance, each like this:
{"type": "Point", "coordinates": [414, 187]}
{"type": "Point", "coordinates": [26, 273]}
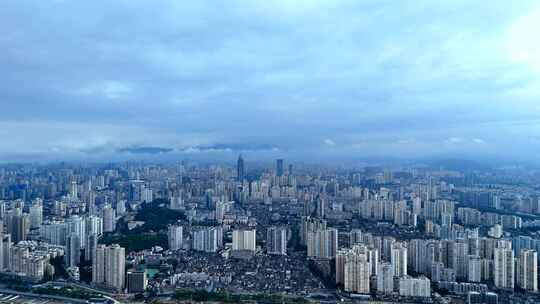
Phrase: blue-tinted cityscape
{"type": "Point", "coordinates": [278, 151]}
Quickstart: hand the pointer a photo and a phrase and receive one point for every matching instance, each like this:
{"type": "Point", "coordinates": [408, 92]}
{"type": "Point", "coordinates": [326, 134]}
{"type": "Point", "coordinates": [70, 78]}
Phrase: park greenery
{"type": "Point", "coordinates": [156, 217]}
{"type": "Point", "coordinates": [136, 242]}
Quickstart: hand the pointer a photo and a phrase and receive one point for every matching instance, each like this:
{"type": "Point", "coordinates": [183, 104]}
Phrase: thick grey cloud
{"type": "Point", "coordinates": [336, 78]}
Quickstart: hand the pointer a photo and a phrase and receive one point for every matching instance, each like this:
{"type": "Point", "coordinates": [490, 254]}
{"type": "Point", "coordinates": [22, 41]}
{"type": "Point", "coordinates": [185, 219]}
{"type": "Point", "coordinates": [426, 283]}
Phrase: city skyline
{"type": "Point", "coordinates": [135, 232]}
{"type": "Point", "coordinates": [305, 79]}
{"type": "Point", "coordinates": [269, 151]}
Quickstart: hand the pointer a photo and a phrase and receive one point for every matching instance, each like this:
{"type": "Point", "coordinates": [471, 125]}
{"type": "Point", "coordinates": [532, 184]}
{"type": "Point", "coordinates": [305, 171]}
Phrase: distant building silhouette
{"type": "Point", "coordinates": [279, 167]}
{"type": "Point", "coordinates": [240, 168]}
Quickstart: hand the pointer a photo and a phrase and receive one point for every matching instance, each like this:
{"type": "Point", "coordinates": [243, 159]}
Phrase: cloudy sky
{"type": "Point", "coordinates": [97, 79]}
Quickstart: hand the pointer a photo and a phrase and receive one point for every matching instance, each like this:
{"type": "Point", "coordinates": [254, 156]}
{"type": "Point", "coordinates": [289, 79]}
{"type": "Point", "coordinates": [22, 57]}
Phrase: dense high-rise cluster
{"type": "Point", "coordinates": [393, 234]}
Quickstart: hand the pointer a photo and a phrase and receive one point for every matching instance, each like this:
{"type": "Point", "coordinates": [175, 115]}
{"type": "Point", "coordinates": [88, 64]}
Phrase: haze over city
{"type": "Point", "coordinates": [104, 80]}
{"type": "Point", "coordinates": [269, 152]}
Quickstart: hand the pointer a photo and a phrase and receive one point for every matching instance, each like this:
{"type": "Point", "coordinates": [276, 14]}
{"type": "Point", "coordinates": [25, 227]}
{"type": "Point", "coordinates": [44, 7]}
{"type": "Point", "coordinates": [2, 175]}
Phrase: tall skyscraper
{"type": "Point", "coordinates": [503, 268]}
{"type": "Point", "coordinates": [355, 237]}
{"type": "Point", "coordinates": [73, 191]}
{"type": "Point", "coordinates": [310, 224]}
{"type": "Point", "coordinates": [207, 239]}
{"type": "Point", "coordinates": [77, 225]}
{"type": "Point", "coordinates": [386, 250]}
{"type": "Point", "coordinates": [91, 203]}
{"type": "Point", "coordinates": [3, 210]}
{"type": "Point", "coordinates": [94, 225]}
{"type": "Point", "coordinates": [18, 227]}
{"type": "Point", "coordinates": [474, 268]}
{"type": "Point", "coordinates": [175, 237]}
{"type": "Point", "coordinates": [279, 167]}
{"type": "Point", "coordinates": [222, 207]}
{"type": "Point", "coordinates": [115, 266]}
{"type": "Point", "coordinates": [415, 255]}
{"type": "Point", "coordinates": [18, 258]}
{"type": "Point", "coordinates": [90, 247]}
{"type": "Point", "coordinates": [240, 169]}
{"type": "Point", "coordinates": [385, 278]}
{"type": "Point", "coordinates": [54, 232]}
{"type": "Point", "coordinates": [109, 219]}
{"type": "Point", "coordinates": [399, 259]}
{"type": "Point", "coordinates": [6, 251]}
{"type": "Point", "coordinates": [73, 250]}
{"type": "Point", "coordinates": [108, 267]}
{"type": "Point", "coordinates": [432, 255]}
{"type": "Point", "coordinates": [449, 254]}
{"type": "Point", "coordinates": [276, 240]}
{"type": "Point", "coordinates": [341, 255]}
{"type": "Point", "coordinates": [98, 265]}
{"type": "Point", "coordinates": [147, 194]}
{"type": "Point", "coordinates": [36, 214]}
{"type": "Point", "coordinates": [357, 270]}
{"type": "Point", "coordinates": [1, 249]}
{"type": "Point", "coordinates": [528, 270]}
{"type": "Point", "coordinates": [462, 256]}
{"type": "Point", "coordinates": [322, 243]}
{"type": "Point", "coordinates": [373, 259]}
{"type": "Point", "coordinates": [321, 206]}
{"type": "Point", "coordinates": [121, 207]}
{"type": "Point", "coordinates": [244, 240]}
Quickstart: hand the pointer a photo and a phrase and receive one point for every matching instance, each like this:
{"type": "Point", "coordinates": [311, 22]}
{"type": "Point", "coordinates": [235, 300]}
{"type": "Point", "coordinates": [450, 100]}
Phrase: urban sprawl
{"type": "Point", "coordinates": [280, 232]}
